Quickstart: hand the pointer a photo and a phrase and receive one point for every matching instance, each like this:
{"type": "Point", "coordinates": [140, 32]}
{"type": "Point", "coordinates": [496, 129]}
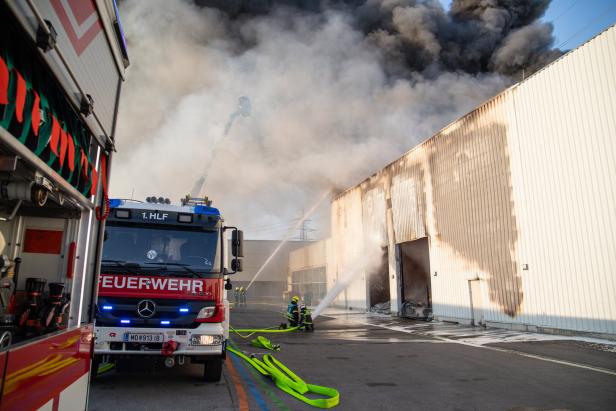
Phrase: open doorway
{"type": "Point", "coordinates": [415, 287]}
{"type": "Point", "coordinates": [378, 286]}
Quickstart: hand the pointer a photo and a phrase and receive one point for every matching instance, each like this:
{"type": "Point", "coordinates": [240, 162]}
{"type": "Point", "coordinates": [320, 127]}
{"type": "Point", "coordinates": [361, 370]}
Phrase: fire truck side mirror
{"type": "Point", "coordinates": [228, 285]}
{"type": "Point", "coordinates": [237, 243]}
{"type": "Point", "coordinates": [236, 265]}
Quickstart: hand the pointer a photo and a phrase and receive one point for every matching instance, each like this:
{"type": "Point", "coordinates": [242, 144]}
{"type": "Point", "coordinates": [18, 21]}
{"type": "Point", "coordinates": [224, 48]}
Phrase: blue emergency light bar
{"type": "Point", "coordinates": [165, 322]}
{"type": "Point", "coordinates": [198, 209]}
{"type": "Point", "coordinates": [125, 321]}
{"type": "Point", "coordinates": [107, 307]}
{"type": "Point", "coordinates": [184, 310]}
{"type": "Point", "coordinates": [115, 203]}
{"type": "Point", "coordinates": [205, 210]}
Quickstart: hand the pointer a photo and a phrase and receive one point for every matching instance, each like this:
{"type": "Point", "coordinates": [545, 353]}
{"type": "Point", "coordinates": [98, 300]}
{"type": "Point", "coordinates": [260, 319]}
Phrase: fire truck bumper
{"type": "Point", "coordinates": [206, 339]}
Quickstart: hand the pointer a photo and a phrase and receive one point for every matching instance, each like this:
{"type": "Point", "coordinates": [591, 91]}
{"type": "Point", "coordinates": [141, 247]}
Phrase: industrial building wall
{"type": "Point", "coordinates": [473, 225]}
{"type": "Point", "coordinates": [348, 248]}
{"type": "Point", "coordinates": [308, 271]}
{"type": "Point", "coordinates": [516, 200]}
{"type": "Point", "coordinates": [312, 255]}
{"type": "Point", "coordinates": [374, 216]}
{"type": "Point", "coordinates": [565, 187]}
{"type": "Point", "coordinates": [272, 282]}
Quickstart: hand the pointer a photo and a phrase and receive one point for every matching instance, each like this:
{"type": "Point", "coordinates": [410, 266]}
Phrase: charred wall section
{"type": "Point", "coordinates": [473, 202]}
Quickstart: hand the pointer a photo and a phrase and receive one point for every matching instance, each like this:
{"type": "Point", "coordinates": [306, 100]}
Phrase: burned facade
{"type": "Point", "coordinates": [505, 217]}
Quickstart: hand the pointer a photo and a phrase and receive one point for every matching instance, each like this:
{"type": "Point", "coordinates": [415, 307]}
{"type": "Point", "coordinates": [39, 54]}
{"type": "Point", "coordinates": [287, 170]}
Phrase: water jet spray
{"type": "Point", "coordinates": [243, 109]}
{"type": "Point", "coordinates": [288, 235]}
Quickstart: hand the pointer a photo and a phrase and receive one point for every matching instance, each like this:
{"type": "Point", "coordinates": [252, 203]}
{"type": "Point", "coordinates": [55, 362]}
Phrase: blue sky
{"type": "Point", "coordinates": [576, 21]}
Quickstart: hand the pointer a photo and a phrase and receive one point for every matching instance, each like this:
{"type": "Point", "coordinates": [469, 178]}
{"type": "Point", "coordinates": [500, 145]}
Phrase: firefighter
{"type": "Point", "coordinates": [293, 311]}
{"type": "Point", "coordinates": [242, 296]}
{"type": "Point", "coordinates": [236, 294]}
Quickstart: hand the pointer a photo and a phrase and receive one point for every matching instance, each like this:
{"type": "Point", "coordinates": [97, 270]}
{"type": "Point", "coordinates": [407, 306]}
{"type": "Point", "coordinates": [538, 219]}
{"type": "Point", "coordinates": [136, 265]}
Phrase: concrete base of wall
{"type": "Point", "coordinates": [349, 309]}
{"type": "Point", "coordinates": [464, 321]}
{"type": "Point", "coordinates": [532, 328]}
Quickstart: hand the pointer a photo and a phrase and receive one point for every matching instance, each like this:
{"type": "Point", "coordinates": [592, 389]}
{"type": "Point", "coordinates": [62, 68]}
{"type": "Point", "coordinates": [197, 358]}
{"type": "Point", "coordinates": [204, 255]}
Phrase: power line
{"type": "Point", "coordinates": [603, 12]}
{"type": "Point", "coordinates": [566, 11]}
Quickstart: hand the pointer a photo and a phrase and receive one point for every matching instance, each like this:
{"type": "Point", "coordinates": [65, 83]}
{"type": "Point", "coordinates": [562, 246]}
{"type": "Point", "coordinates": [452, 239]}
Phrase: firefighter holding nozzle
{"type": "Point", "coordinates": [298, 315]}
{"type": "Point", "coordinates": [293, 312]}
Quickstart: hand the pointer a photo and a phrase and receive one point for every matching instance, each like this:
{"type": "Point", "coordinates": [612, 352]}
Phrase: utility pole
{"type": "Point", "coordinates": [303, 235]}
{"type": "Point", "coordinates": [304, 228]}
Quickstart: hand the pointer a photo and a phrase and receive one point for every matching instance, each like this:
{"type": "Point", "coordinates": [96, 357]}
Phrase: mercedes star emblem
{"type": "Point", "coordinates": [146, 308]}
{"type": "Point", "coordinates": [152, 254]}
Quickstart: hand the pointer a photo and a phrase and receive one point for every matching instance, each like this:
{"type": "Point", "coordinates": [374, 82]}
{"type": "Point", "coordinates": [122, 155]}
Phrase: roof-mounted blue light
{"type": "Point", "coordinates": [205, 210]}
{"type": "Point", "coordinates": [115, 202]}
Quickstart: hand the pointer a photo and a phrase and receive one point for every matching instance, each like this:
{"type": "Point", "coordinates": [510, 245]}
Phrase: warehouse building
{"type": "Point", "coordinates": [272, 281]}
{"type": "Point", "coordinates": [309, 271]}
{"type": "Point", "coordinates": [506, 217]}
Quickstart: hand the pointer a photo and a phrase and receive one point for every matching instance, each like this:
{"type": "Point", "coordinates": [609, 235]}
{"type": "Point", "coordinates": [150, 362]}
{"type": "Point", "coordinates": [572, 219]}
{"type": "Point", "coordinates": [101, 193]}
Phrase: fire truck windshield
{"type": "Point", "coordinates": [169, 249]}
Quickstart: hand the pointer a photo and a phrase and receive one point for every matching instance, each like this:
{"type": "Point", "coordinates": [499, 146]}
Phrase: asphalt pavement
{"type": "Point", "coordinates": [383, 363]}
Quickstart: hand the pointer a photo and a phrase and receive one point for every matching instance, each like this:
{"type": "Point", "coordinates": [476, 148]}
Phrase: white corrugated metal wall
{"type": "Point", "coordinates": [374, 207]}
{"type": "Point", "coordinates": [518, 195]}
{"type": "Point", "coordinates": [565, 187]}
{"type": "Point", "coordinates": [408, 200]}
{"type": "Point", "coordinates": [347, 238]}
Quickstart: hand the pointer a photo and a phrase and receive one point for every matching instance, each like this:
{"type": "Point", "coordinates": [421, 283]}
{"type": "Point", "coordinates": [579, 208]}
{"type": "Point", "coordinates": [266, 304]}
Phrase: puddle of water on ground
{"type": "Point", "coordinates": [464, 333]}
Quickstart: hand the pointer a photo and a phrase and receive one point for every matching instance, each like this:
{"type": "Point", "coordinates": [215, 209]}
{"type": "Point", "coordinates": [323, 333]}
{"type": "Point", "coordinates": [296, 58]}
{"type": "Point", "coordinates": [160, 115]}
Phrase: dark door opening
{"type": "Point", "coordinates": [378, 286]}
{"type": "Point", "coordinates": [415, 287]}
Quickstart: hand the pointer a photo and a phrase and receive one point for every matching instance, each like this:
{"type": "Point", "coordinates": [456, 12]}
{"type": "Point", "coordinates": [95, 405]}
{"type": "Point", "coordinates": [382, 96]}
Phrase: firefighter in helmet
{"type": "Point", "coordinates": [236, 294]}
{"type": "Point", "coordinates": [293, 311]}
{"type": "Point", "coordinates": [242, 296]}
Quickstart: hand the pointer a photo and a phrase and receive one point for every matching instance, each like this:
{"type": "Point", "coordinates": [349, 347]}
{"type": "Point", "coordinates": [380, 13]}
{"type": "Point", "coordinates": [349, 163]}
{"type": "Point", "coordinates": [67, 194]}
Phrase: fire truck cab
{"type": "Point", "coordinates": [162, 288]}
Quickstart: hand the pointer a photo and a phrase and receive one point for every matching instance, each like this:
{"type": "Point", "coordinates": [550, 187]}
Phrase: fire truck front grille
{"type": "Point", "coordinates": [116, 311]}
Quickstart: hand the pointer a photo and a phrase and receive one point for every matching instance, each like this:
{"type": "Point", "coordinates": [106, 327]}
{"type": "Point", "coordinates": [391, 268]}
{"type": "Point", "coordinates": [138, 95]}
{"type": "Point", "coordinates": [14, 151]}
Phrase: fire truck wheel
{"type": "Point", "coordinates": [212, 370]}
{"type": "Point", "coordinates": [96, 361]}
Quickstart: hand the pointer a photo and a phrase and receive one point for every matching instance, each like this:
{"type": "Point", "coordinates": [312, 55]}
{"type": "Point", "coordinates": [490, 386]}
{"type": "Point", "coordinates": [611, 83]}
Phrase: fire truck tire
{"type": "Point", "coordinates": [96, 362]}
{"type": "Point", "coordinates": [212, 370]}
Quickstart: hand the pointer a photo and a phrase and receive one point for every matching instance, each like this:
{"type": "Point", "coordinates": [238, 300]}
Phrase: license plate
{"type": "Point", "coordinates": [143, 338]}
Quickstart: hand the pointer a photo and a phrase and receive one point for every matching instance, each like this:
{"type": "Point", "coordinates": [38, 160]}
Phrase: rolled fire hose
{"type": "Point", "coordinates": [289, 382]}
{"type": "Point", "coordinates": [262, 342]}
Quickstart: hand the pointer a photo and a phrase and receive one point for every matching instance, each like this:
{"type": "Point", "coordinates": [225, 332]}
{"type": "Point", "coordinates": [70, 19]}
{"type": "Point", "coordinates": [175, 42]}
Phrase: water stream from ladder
{"type": "Point", "coordinates": [243, 109]}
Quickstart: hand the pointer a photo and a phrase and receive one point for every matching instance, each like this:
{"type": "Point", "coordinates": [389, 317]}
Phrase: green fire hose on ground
{"type": "Point", "coordinates": [253, 331]}
{"type": "Point", "coordinates": [262, 342]}
{"type": "Point", "coordinates": [289, 382]}
{"type": "Point", "coordinates": [283, 377]}
{"type": "Point", "coordinates": [105, 367]}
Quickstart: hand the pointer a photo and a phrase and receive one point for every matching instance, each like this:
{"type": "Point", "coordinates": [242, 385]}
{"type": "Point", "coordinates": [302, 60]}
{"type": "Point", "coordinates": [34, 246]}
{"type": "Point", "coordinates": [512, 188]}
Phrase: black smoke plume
{"type": "Point", "coordinates": [419, 36]}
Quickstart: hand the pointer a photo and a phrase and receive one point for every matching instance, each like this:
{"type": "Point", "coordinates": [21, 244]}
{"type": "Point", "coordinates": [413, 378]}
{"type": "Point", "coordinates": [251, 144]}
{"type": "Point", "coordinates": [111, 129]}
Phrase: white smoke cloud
{"type": "Point", "coordinates": [324, 112]}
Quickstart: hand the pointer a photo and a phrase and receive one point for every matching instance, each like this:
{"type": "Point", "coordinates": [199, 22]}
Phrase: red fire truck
{"type": "Point", "coordinates": [62, 63]}
{"type": "Point", "coordinates": [161, 291]}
